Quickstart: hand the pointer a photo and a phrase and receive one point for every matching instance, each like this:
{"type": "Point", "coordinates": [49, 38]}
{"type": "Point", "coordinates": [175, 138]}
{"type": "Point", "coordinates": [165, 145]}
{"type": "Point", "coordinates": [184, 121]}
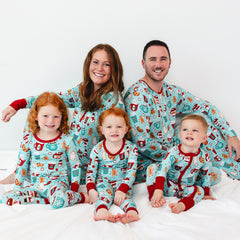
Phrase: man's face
{"type": "Point", "coordinates": [156, 63]}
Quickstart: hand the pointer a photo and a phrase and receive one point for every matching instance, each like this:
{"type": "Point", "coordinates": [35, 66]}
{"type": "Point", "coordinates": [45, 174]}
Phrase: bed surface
{"type": "Point", "coordinates": [208, 220]}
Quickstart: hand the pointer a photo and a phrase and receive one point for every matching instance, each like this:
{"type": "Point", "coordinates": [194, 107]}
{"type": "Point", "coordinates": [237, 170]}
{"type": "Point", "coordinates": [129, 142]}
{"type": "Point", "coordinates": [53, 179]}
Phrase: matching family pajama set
{"type": "Point", "coordinates": [183, 175]}
{"type": "Point", "coordinates": [84, 124]}
{"type": "Point", "coordinates": [153, 117]}
{"type": "Point", "coordinates": [109, 172]}
{"type": "Point", "coordinates": [49, 165]}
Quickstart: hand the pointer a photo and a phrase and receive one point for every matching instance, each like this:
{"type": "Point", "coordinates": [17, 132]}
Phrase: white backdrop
{"type": "Point", "coordinates": [43, 45]}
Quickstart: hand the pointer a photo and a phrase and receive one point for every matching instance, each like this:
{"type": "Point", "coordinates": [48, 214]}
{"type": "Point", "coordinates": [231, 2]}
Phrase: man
{"type": "Point", "coordinates": [153, 107]}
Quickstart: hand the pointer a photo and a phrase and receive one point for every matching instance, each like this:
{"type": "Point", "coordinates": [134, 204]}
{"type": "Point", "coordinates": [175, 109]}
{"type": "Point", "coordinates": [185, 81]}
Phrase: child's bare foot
{"type": "Point", "coordinates": [104, 214]}
{"type": "Point", "coordinates": [130, 216]}
{"type": "Point", "coordinates": [9, 179]}
{"type": "Point", "coordinates": [87, 199]}
{"type": "Point", "coordinates": [177, 207]}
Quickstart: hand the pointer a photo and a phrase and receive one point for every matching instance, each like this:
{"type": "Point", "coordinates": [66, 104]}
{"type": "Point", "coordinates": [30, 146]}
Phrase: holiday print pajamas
{"type": "Point", "coordinates": [49, 165]}
{"type": "Point", "coordinates": [108, 173]}
{"type": "Point", "coordinates": [84, 124]}
{"type": "Point", "coordinates": [153, 120]}
{"type": "Point", "coordinates": [187, 176]}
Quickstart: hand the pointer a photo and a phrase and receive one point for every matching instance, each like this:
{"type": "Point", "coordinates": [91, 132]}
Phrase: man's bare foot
{"type": "Point", "coordinates": [104, 214]}
{"type": "Point", "coordinates": [9, 179]}
{"type": "Point", "coordinates": [130, 216]}
{"type": "Point", "coordinates": [177, 207]}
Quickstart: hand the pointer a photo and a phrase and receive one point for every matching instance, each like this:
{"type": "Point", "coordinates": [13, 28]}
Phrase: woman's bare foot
{"type": "Point", "coordinates": [87, 199]}
{"type": "Point", "coordinates": [9, 179]}
{"type": "Point", "coordinates": [130, 216]}
{"type": "Point", "coordinates": [104, 214]}
{"type": "Point", "coordinates": [177, 207]}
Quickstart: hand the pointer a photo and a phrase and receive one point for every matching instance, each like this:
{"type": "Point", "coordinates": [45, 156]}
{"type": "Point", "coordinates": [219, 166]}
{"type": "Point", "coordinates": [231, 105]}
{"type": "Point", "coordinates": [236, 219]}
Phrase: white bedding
{"type": "Point", "coordinates": [209, 220]}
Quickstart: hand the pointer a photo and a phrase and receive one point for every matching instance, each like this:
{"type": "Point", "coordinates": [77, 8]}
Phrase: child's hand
{"type": "Point", "coordinates": [93, 196]}
{"type": "Point", "coordinates": [119, 197]}
{"type": "Point", "coordinates": [157, 199]}
{"type": "Point", "coordinates": [209, 198]}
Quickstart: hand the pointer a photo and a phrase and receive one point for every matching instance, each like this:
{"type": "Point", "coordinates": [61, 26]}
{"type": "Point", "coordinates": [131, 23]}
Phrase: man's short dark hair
{"type": "Point", "coordinates": [155, 43]}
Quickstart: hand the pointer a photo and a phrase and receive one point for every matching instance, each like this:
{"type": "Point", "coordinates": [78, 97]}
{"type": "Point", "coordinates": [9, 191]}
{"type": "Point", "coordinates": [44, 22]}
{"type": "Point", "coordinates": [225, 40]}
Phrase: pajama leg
{"type": "Point", "coordinates": [128, 204]}
{"type": "Point", "coordinates": [151, 178]}
{"type": "Point", "coordinates": [25, 195]}
{"type": "Point", "coordinates": [60, 196]}
{"type": "Point", "coordinates": [216, 145]}
{"type": "Point", "coordinates": [191, 195]}
{"type": "Point", "coordinates": [105, 195]}
{"type": "Point", "coordinates": [142, 166]}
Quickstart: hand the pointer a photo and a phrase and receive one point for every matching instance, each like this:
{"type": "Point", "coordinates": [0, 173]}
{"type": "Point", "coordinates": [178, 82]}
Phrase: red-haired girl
{"type": "Point", "coordinates": [46, 154]}
{"type": "Point", "coordinates": [112, 169]}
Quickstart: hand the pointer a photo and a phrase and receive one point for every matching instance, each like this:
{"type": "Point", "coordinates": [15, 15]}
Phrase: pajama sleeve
{"type": "Point", "coordinates": [148, 145]}
{"type": "Point", "coordinates": [75, 165]}
{"type": "Point", "coordinates": [112, 99]}
{"type": "Point", "coordinates": [70, 98]}
{"type": "Point", "coordinates": [188, 103]}
{"type": "Point", "coordinates": [92, 169]}
{"type": "Point", "coordinates": [23, 165]}
{"type": "Point", "coordinates": [163, 169]}
{"type": "Point", "coordinates": [129, 179]}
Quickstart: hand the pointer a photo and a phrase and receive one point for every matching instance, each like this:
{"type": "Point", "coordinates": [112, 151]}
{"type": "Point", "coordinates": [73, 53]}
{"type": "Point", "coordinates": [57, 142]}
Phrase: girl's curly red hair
{"type": "Point", "coordinates": [48, 98]}
{"type": "Point", "coordinates": [117, 112]}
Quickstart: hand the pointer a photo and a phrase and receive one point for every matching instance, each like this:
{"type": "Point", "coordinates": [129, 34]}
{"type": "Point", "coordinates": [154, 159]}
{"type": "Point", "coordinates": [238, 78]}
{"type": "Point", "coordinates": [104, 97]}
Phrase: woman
{"type": "Point", "coordinates": [101, 89]}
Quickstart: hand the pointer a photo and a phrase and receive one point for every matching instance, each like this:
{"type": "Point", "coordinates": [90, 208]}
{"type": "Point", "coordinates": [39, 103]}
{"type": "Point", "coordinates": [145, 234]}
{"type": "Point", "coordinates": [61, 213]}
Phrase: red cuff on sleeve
{"type": "Point", "coordinates": [19, 104]}
{"type": "Point", "coordinates": [123, 188]}
{"type": "Point", "coordinates": [159, 184]}
{"type": "Point", "coordinates": [74, 187]}
{"type": "Point", "coordinates": [206, 191]}
{"type": "Point", "coordinates": [90, 186]}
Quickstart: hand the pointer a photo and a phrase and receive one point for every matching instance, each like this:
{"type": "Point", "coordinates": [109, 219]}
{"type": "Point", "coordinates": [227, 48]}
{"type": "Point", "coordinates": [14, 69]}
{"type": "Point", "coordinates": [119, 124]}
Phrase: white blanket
{"type": "Point", "coordinates": [208, 220]}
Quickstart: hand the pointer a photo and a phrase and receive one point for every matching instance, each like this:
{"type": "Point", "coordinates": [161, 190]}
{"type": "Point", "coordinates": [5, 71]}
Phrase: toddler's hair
{"type": "Point", "coordinates": [45, 99]}
{"type": "Point", "coordinates": [196, 117]}
{"type": "Point", "coordinates": [117, 112]}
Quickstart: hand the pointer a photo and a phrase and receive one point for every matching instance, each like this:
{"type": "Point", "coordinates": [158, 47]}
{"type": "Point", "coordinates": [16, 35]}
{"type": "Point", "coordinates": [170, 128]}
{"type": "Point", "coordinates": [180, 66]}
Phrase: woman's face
{"type": "Point", "coordinates": [99, 69]}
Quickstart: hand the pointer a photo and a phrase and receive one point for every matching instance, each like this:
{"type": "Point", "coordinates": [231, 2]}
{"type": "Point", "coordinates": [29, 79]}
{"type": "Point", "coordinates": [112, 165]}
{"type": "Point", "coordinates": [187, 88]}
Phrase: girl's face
{"type": "Point", "coordinates": [100, 69]}
{"type": "Point", "coordinates": [114, 128]}
{"type": "Point", "coordinates": [49, 119]}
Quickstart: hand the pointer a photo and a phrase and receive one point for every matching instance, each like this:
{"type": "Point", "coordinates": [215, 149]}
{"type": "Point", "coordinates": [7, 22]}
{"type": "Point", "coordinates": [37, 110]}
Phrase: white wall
{"type": "Point", "coordinates": [43, 45]}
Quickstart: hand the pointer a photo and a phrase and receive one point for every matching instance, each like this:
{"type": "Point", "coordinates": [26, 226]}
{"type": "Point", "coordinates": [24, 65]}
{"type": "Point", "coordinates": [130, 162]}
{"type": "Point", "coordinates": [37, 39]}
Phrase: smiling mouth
{"type": "Point", "coordinates": [99, 75]}
{"type": "Point", "coordinates": [189, 138]}
{"type": "Point", "coordinates": [158, 71]}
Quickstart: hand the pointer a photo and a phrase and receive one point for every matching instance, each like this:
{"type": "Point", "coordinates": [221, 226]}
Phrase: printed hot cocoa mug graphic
{"type": "Point", "coordinates": [51, 165]}
{"type": "Point", "coordinates": [21, 160]}
{"type": "Point", "coordinates": [57, 155]}
{"type": "Point", "coordinates": [134, 105]}
{"type": "Point", "coordinates": [52, 146]}
{"type": "Point", "coordinates": [141, 142]}
{"type": "Point", "coordinates": [38, 146]}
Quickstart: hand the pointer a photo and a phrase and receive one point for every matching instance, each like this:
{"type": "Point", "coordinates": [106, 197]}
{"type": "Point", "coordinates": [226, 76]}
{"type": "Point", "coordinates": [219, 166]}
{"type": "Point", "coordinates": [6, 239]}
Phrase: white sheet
{"type": "Point", "coordinates": [208, 220]}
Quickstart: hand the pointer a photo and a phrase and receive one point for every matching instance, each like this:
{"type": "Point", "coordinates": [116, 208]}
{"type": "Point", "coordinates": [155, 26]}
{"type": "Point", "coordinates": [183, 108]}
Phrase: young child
{"type": "Point", "coordinates": [46, 154]}
{"type": "Point", "coordinates": [186, 171]}
{"type": "Point", "coordinates": [112, 169]}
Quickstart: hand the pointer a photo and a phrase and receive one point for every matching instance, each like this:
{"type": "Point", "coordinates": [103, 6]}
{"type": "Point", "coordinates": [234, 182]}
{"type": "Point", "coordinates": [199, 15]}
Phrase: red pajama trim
{"type": "Point", "coordinates": [150, 189]}
{"type": "Point", "coordinates": [159, 184]}
{"type": "Point", "coordinates": [101, 206]}
{"type": "Point", "coordinates": [19, 104]}
{"type": "Point", "coordinates": [123, 188]}
{"type": "Point", "coordinates": [74, 187]}
{"type": "Point", "coordinates": [132, 208]}
{"type": "Point", "coordinates": [90, 186]}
